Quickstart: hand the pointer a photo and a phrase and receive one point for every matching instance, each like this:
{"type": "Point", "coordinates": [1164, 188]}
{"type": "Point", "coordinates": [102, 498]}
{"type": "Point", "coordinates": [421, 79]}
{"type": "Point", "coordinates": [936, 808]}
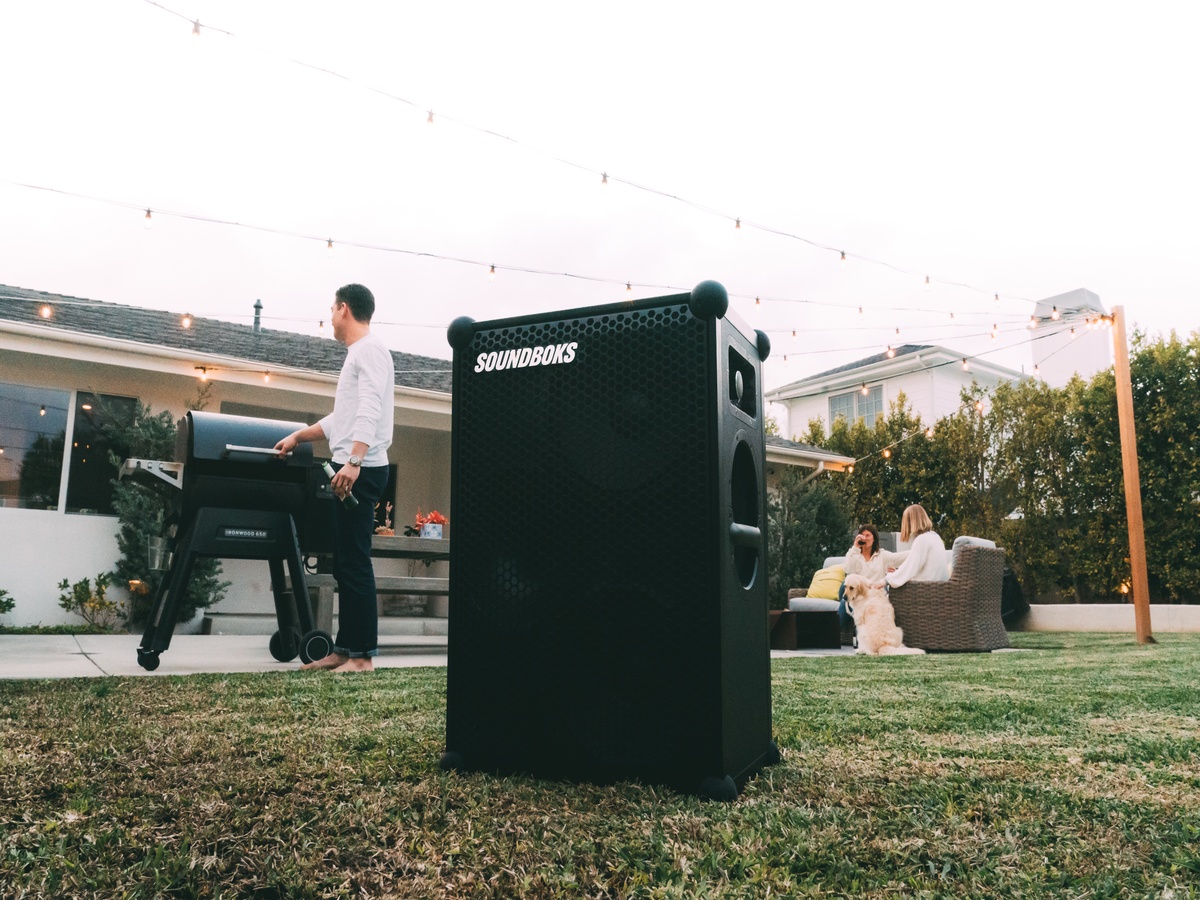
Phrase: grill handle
{"type": "Point", "coordinates": [261, 451]}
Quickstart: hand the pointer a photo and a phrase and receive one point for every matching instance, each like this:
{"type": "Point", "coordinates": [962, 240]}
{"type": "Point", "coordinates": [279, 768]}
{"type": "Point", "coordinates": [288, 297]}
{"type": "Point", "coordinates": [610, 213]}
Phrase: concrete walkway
{"type": "Point", "coordinates": [97, 655]}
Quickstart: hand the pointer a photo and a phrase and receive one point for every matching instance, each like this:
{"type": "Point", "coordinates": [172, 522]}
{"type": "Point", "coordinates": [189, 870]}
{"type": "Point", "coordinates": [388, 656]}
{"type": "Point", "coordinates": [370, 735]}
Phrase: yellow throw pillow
{"type": "Point", "coordinates": [826, 582]}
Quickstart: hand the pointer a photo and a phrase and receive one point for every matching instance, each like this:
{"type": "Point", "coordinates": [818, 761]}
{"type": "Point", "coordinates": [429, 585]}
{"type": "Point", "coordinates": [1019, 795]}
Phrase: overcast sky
{"type": "Point", "coordinates": [1019, 149]}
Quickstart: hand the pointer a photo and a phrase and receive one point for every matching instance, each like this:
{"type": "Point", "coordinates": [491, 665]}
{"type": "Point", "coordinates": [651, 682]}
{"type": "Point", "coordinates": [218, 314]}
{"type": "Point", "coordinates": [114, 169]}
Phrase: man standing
{"type": "Point", "coordinates": [359, 431]}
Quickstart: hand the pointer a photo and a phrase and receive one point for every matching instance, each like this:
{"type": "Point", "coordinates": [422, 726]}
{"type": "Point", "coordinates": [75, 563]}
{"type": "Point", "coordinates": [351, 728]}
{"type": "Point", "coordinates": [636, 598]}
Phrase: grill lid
{"type": "Point", "coordinates": [215, 437]}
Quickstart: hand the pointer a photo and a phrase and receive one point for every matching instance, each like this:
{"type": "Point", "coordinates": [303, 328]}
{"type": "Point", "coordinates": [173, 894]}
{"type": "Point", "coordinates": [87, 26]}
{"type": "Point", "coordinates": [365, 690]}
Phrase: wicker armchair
{"type": "Point", "coordinates": [960, 614]}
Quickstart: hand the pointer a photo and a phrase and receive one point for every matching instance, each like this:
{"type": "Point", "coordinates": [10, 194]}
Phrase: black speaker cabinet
{"type": "Point", "coordinates": [608, 603]}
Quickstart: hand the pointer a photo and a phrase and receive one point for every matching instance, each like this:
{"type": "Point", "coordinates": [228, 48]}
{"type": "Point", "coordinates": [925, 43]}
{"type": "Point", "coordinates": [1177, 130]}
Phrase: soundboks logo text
{"type": "Point", "coordinates": [550, 355]}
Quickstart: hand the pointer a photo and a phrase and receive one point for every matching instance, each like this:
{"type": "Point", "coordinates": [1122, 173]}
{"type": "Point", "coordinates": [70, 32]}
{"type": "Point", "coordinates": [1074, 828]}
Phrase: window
{"type": "Point", "coordinates": [870, 406]}
{"type": "Point", "coordinates": [841, 405]}
{"type": "Point", "coordinates": [89, 480]}
{"type": "Point", "coordinates": [856, 405]}
{"type": "Point", "coordinates": [33, 430]}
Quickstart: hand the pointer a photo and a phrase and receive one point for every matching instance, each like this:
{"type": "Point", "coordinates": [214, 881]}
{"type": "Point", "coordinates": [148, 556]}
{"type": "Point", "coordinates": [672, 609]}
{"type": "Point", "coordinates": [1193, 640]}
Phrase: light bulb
{"type": "Point", "coordinates": [843, 257]}
{"type": "Point", "coordinates": [329, 247]}
{"type": "Point", "coordinates": [187, 321]}
{"type": "Point", "coordinates": [45, 311]}
{"type": "Point", "coordinates": [628, 290]}
{"type": "Point", "coordinates": [1054, 314]}
{"type": "Point", "coordinates": [266, 376]}
{"type": "Point", "coordinates": [897, 332]}
{"type": "Point", "coordinates": [979, 406]}
{"type": "Point", "coordinates": [757, 302]}
{"type": "Point", "coordinates": [793, 334]}
{"type": "Point", "coordinates": [850, 469]}
{"type": "Point", "coordinates": [860, 312]}
{"type": "Point", "coordinates": [887, 453]}
{"type": "Point", "coordinates": [492, 274]}
{"type": "Point", "coordinates": [321, 328]}
{"type": "Point", "coordinates": [42, 411]}
{"type": "Point", "coordinates": [952, 315]}
{"type": "Point", "coordinates": [997, 298]}
{"type": "Point", "coordinates": [1072, 332]}
{"type": "Point", "coordinates": [203, 374]}
{"type": "Point", "coordinates": [1037, 371]}
{"type": "Point", "coordinates": [891, 351]}
{"type": "Point", "coordinates": [737, 224]}
{"type": "Point", "coordinates": [604, 178]}
{"type": "Point", "coordinates": [926, 282]}
{"type": "Point", "coordinates": [864, 389]}
{"type": "Point", "coordinates": [196, 28]}
{"type": "Point", "coordinates": [966, 366]}
{"type": "Point", "coordinates": [147, 222]}
{"type": "Point", "coordinates": [1032, 323]}
{"type": "Point", "coordinates": [994, 331]}
{"type": "Point", "coordinates": [429, 121]}
{"type": "Point", "coordinates": [929, 433]}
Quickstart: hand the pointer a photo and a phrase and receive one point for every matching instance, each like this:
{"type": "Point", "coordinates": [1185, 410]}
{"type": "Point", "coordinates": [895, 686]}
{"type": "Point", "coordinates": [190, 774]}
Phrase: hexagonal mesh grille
{"type": "Point", "coordinates": [584, 611]}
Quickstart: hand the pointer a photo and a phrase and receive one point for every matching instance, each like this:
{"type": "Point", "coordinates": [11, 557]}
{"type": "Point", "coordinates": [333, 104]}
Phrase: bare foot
{"type": "Point", "coordinates": [357, 664]}
{"type": "Point", "coordinates": [332, 661]}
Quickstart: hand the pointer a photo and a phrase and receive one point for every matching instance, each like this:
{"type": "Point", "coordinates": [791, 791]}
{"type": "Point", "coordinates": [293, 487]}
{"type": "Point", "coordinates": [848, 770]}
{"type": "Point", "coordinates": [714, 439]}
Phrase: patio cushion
{"type": "Point", "coordinates": [826, 582]}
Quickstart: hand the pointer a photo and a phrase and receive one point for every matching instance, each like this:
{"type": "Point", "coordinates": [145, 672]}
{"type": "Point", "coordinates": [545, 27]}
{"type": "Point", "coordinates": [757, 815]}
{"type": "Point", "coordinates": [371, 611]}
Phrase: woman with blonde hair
{"type": "Point", "coordinates": [926, 557]}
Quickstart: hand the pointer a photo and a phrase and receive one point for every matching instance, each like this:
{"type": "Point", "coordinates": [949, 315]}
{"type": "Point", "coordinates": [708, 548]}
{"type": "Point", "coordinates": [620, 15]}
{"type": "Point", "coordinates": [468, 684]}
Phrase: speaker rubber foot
{"type": "Point", "coordinates": [452, 762]}
{"type": "Point", "coordinates": [723, 790]}
{"type": "Point", "coordinates": [772, 755]}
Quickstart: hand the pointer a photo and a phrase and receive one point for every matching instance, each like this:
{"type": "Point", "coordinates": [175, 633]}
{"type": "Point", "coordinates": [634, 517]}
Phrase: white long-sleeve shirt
{"type": "Point", "coordinates": [362, 406]}
{"type": "Point", "coordinates": [876, 567]}
{"type": "Point", "coordinates": [926, 562]}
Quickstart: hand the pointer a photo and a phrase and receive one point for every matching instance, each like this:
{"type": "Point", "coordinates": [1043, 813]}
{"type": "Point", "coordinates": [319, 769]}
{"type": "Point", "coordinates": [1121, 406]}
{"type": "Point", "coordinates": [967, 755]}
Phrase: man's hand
{"type": "Point", "coordinates": [287, 445]}
{"type": "Point", "coordinates": [343, 481]}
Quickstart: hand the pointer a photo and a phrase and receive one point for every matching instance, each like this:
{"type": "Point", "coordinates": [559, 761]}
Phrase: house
{"type": "Point", "coordinates": [60, 355]}
{"type": "Point", "coordinates": [930, 377]}
{"type": "Point", "coordinates": [1069, 348]}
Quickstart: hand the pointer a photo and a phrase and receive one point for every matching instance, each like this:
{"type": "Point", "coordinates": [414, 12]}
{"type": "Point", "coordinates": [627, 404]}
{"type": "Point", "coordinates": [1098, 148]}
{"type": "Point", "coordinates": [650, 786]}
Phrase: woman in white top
{"type": "Point", "coordinates": [927, 556]}
{"type": "Point", "coordinates": [866, 558]}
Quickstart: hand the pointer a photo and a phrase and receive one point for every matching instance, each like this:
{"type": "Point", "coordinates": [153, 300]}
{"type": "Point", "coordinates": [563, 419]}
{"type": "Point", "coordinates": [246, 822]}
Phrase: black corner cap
{"type": "Point", "coordinates": [452, 761]}
{"type": "Point", "coordinates": [709, 300]}
{"type": "Point", "coordinates": [764, 345]}
{"type": "Point", "coordinates": [460, 331]}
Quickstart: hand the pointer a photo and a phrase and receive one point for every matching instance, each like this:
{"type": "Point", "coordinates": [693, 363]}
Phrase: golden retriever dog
{"type": "Point", "coordinates": [875, 619]}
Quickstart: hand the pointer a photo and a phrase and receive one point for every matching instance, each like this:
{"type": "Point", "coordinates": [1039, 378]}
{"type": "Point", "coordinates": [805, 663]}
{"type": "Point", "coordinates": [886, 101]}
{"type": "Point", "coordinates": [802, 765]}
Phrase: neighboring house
{"type": "Point", "coordinates": [1064, 346]}
{"type": "Point", "coordinates": [55, 521]}
{"type": "Point", "coordinates": [930, 377]}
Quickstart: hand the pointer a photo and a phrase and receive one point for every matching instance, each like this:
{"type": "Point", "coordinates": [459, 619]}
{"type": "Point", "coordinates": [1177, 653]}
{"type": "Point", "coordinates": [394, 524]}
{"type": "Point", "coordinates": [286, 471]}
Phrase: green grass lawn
{"type": "Point", "coordinates": [1069, 770]}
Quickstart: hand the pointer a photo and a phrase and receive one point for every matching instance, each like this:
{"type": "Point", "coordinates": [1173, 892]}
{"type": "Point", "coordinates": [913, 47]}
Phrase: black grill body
{"type": "Point", "coordinates": [608, 615]}
{"type": "Point", "coordinates": [239, 500]}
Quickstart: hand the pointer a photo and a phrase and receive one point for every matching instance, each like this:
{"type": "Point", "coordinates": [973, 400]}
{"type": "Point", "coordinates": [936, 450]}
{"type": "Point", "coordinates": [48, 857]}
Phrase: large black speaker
{"type": "Point", "coordinates": [608, 603]}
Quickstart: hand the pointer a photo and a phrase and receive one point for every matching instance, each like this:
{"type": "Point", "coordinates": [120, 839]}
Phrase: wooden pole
{"type": "Point", "coordinates": [1133, 488]}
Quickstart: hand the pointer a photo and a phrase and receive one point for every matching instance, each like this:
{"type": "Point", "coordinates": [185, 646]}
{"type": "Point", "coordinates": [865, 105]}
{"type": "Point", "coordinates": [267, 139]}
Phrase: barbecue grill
{"type": "Point", "coordinates": [237, 499]}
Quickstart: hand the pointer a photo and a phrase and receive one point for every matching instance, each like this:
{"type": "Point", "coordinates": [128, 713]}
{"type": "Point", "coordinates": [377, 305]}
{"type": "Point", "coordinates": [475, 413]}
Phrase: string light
{"type": "Point", "coordinates": [891, 351]}
{"type": "Point", "coordinates": [203, 373]}
{"type": "Point", "coordinates": [147, 222]}
{"type": "Point", "coordinates": [604, 178]}
{"type": "Point", "coordinates": [266, 377]}
{"type": "Point", "coordinates": [495, 134]}
{"type": "Point", "coordinates": [793, 334]}
{"type": "Point", "coordinates": [995, 331]}
{"type": "Point", "coordinates": [1054, 314]}
{"type": "Point", "coordinates": [757, 302]}
{"type": "Point", "coordinates": [997, 298]}
{"type": "Point", "coordinates": [929, 433]}
{"type": "Point", "coordinates": [979, 407]}
{"type": "Point", "coordinates": [42, 411]}
{"type": "Point", "coordinates": [492, 274]}
{"type": "Point", "coordinates": [629, 290]}
{"type": "Point", "coordinates": [864, 389]}
{"type": "Point", "coordinates": [850, 469]}
{"type": "Point", "coordinates": [951, 315]}
{"type": "Point", "coordinates": [321, 328]}
{"type": "Point", "coordinates": [966, 365]}
{"type": "Point", "coordinates": [1072, 332]}
{"type": "Point", "coordinates": [843, 257]}
{"type": "Point", "coordinates": [860, 312]}
{"type": "Point", "coordinates": [45, 311]}
{"type": "Point", "coordinates": [1037, 370]}
{"type": "Point", "coordinates": [329, 247]}
{"type": "Point", "coordinates": [1032, 323]}
{"type": "Point", "coordinates": [187, 321]}
{"type": "Point", "coordinates": [737, 225]}
{"type": "Point", "coordinates": [887, 453]}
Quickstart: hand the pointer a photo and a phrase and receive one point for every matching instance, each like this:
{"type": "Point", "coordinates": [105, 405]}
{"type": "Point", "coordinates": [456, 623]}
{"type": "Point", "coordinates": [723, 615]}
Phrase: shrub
{"type": "Point", "coordinates": [92, 604]}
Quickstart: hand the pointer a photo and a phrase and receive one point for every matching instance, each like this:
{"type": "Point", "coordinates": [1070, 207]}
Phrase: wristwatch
{"type": "Point", "coordinates": [354, 461]}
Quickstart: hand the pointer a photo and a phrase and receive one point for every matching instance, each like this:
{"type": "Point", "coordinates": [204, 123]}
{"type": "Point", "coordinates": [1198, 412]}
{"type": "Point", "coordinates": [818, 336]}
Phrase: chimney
{"type": "Point", "coordinates": [257, 316]}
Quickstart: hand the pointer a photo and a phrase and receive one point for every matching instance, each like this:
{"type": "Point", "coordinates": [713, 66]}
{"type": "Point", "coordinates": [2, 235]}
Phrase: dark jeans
{"type": "Point", "coordinates": [358, 613]}
{"type": "Point", "coordinates": [845, 620]}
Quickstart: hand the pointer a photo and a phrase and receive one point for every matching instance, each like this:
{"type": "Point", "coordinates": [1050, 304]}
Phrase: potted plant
{"type": "Point", "coordinates": [430, 525]}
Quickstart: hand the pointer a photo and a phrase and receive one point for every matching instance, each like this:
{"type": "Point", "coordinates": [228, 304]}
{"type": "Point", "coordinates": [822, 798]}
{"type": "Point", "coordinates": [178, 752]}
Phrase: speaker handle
{"type": "Point", "coordinates": [744, 535]}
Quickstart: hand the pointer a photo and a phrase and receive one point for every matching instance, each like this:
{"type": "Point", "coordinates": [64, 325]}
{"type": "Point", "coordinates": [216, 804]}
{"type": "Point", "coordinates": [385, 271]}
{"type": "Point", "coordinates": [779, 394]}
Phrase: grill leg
{"type": "Point", "coordinates": [157, 636]}
{"type": "Point", "coordinates": [285, 642]}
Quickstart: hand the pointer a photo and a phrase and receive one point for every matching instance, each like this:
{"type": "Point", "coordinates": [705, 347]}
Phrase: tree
{"type": "Point", "coordinates": [144, 512]}
{"type": "Point", "coordinates": [807, 521]}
